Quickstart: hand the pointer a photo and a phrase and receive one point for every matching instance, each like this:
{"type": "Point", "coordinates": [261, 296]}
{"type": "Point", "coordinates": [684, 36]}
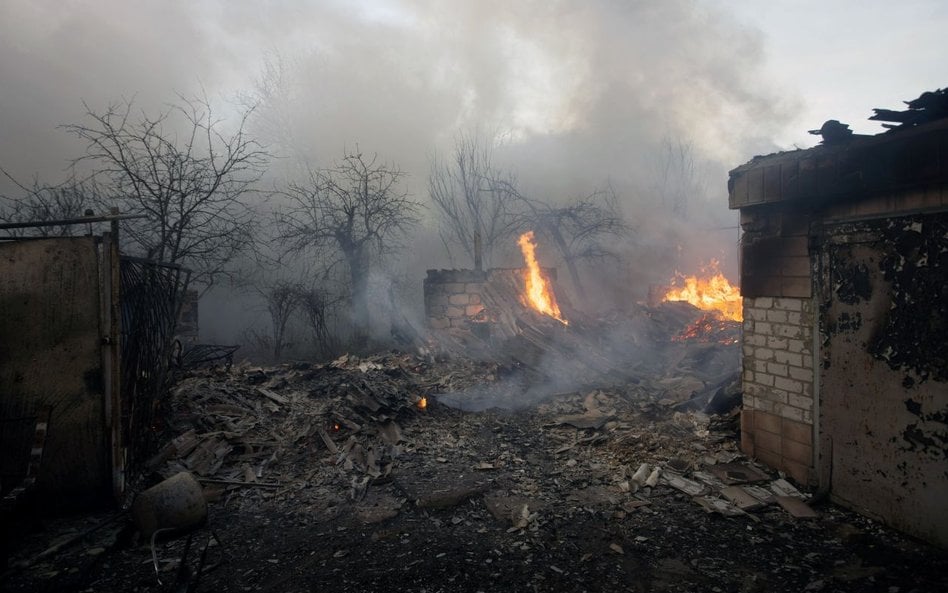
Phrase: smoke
{"type": "Point", "coordinates": [576, 94]}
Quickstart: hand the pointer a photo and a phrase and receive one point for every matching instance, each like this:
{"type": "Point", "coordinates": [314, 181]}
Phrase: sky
{"type": "Point", "coordinates": [576, 94]}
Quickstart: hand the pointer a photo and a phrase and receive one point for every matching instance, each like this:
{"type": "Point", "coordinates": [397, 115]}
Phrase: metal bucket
{"type": "Point", "coordinates": [176, 503]}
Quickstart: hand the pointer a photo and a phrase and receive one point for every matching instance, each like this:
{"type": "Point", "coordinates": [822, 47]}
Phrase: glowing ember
{"type": "Point", "coordinates": [423, 403]}
{"type": "Point", "coordinates": [538, 294]}
{"type": "Point", "coordinates": [711, 292]}
{"type": "Point", "coordinates": [710, 327]}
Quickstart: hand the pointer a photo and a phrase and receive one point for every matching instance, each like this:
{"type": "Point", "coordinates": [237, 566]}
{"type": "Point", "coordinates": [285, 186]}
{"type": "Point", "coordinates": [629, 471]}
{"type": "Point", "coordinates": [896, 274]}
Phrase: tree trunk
{"type": "Point", "coordinates": [569, 261]}
{"type": "Point", "coordinates": [358, 275]}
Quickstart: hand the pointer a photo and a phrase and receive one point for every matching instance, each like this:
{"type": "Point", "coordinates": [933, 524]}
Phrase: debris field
{"type": "Point", "coordinates": [369, 474]}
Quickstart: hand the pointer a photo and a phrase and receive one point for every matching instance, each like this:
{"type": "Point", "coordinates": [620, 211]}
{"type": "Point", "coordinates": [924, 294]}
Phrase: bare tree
{"type": "Point", "coordinates": [585, 228]}
{"type": "Point", "coordinates": [273, 97]}
{"type": "Point", "coordinates": [282, 298]}
{"type": "Point", "coordinates": [352, 214]}
{"type": "Point", "coordinates": [317, 308]}
{"type": "Point", "coordinates": [70, 199]}
{"type": "Point", "coordinates": [185, 173]}
{"type": "Point", "coordinates": [475, 200]}
{"type": "Point", "coordinates": [677, 177]}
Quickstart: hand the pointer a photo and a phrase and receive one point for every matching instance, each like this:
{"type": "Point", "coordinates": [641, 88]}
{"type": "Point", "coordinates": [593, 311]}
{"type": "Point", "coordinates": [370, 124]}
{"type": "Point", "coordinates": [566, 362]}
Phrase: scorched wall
{"type": "Point", "coordinates": [844, 268]}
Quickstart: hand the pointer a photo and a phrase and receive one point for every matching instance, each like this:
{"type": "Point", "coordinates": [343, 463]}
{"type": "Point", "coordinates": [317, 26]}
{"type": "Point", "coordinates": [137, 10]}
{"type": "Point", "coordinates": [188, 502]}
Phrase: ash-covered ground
{"type": "Point", "coordinates": [332, 477]}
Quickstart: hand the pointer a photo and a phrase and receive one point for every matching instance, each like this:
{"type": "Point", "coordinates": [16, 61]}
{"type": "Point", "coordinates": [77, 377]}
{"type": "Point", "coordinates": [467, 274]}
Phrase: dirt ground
{"type": "Point", "coordinates": [544, 498]}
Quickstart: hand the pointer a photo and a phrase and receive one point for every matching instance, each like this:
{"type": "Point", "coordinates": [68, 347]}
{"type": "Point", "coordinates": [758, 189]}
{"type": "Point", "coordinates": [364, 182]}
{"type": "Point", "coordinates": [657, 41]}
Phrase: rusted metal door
{"type": "Point", "coordinates": [883, 389]}
{"type": "Point", "coordinates": [56, 355]}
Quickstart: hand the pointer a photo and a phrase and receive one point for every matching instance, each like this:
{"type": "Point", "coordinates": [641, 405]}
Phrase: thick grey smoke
{"type": "Point", "coordinates": [577, 93]}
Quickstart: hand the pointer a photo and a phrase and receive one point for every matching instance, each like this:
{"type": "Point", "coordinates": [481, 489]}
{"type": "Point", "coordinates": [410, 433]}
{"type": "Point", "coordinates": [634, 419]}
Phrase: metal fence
{"type": "Point", "coordinates": [152, 294]}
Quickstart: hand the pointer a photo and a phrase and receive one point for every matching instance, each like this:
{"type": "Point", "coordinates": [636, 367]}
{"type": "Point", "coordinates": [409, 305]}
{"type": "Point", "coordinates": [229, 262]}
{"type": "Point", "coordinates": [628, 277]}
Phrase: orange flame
{"type": "Point", "coordinates": [538, 294]}
{"type": "Point", "coordinates": [712, 292]}
{"type": "Point", "coordinates": [422, 403]}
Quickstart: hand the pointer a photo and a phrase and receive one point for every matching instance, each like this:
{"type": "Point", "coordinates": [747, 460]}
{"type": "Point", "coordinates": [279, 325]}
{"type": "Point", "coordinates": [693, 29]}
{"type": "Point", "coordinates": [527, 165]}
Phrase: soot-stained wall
{"type": "Point", "coordinates": [855, 235]}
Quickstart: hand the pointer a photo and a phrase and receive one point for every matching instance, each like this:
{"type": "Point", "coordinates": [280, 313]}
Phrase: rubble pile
{"type": "Point", "coordinates": [352, 476]}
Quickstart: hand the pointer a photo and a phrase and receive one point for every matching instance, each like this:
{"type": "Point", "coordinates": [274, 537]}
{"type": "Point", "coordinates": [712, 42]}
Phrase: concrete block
{"type": "Point", "coordinates": [764, 354]}
{"type": "Point", "coordinates": [789, 385]}
{"type": "Point", "coordinates": [459, 299]}
{"type": "Point", "coordinates": [755, 339]}
{"type": "Point", "coordinates": [475, 299]}
{"type": "Point", "coordinates": [788, 412]}
{"type": "Point", "coordinates": [801, 374]}
{"type": "Point", "coordinates": [767, 441]}
{"type": "Point", "coordinates": [796, 345]}
{"type": "Point", "coordinates": [765, 379]}
{"type": "Point", "coordinates": [777, 316]}
{"type": "Point", "coordinates": [454, 312]}
{"type": "Point", "coordinates": [756, 314]}
{"type": "Point", "coordinates": [790, 331]}
{"type": "Point", "coordinates": [766, 456]}
{"type": "Point", "coordinates": [788, 304]}
{"type": "Point", "coordinates": [780, 370]}
{"type": "Point", "coordinates": [797, 471]}
{"type": "Point", "coordinates": [764, 302]}
{"type": "Point", "coordinates": [800, 401]}
{"type": "Point", "coordinates": [761, 327]}
{"type": "Point", "coordinates": [777, 343]}
{"type": "Point", "coordinates": [767, 422]}
{"type": "Point", "coordinates": [472, 310]}
{"type": "Point", "coordinates": [776, 395]}
{"type": "Point", "coordinates": [798, 452]}
{"type": "Point", "coordinates": [789, 358]}
{"type": "Point", "coordinates": [796, 431]}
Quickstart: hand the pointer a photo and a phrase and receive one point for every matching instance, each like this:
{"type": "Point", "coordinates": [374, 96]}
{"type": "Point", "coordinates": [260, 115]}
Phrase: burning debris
{"type": "Point", "coordinates": [330, 476]}
{"type": "Point", "coordinates": [710, 291]}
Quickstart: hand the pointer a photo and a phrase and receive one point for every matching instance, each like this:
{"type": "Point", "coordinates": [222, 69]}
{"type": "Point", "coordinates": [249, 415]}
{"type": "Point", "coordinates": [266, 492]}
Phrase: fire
{"type": "Point", "coordinates": [710, 327]}
{"type": "Point", "coordinates": [711, 292]}
{"type": "Point", "coordinates": [423, 403]}
{"type": "Point", "coordinates": [538, 293]}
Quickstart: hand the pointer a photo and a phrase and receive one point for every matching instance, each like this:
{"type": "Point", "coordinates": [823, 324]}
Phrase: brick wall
{"type": "Point", "coordinates": [453, 297]}
{"type": "Point", "coordinates": [778, 381]}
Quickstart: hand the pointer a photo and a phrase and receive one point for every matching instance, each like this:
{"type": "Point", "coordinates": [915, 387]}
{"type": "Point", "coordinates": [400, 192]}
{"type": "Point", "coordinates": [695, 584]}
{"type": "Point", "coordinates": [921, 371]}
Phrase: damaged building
{"type": "Point", "coordinates": [844, 269]}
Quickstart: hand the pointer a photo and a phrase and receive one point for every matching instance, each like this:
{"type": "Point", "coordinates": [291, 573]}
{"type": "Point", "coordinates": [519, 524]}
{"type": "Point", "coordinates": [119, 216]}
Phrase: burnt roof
{"type": "Point", "coordinates": [905, 158]}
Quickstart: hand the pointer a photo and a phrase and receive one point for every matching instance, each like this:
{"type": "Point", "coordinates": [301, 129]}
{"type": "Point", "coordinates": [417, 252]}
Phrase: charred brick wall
{"type": "Point", "coordinates": [453, 297]}
{"type": "Point", "coordinates": [778, 380]}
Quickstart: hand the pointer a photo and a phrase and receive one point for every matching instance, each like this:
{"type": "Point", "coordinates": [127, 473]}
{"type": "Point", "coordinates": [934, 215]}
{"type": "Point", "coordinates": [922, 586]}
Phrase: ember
{"type": "Point", "coordinates": [423, 403]}
{"type": "Point", "coordinates": [710, 327]}
{"type": "Point", "coordinates": [711, 292]}
{"type": "Point", "coordinates": [538, 294]}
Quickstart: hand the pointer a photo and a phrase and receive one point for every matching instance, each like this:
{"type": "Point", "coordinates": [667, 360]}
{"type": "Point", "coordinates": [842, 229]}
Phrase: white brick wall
{"type": "Point", "coordinates": [778, 357]}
